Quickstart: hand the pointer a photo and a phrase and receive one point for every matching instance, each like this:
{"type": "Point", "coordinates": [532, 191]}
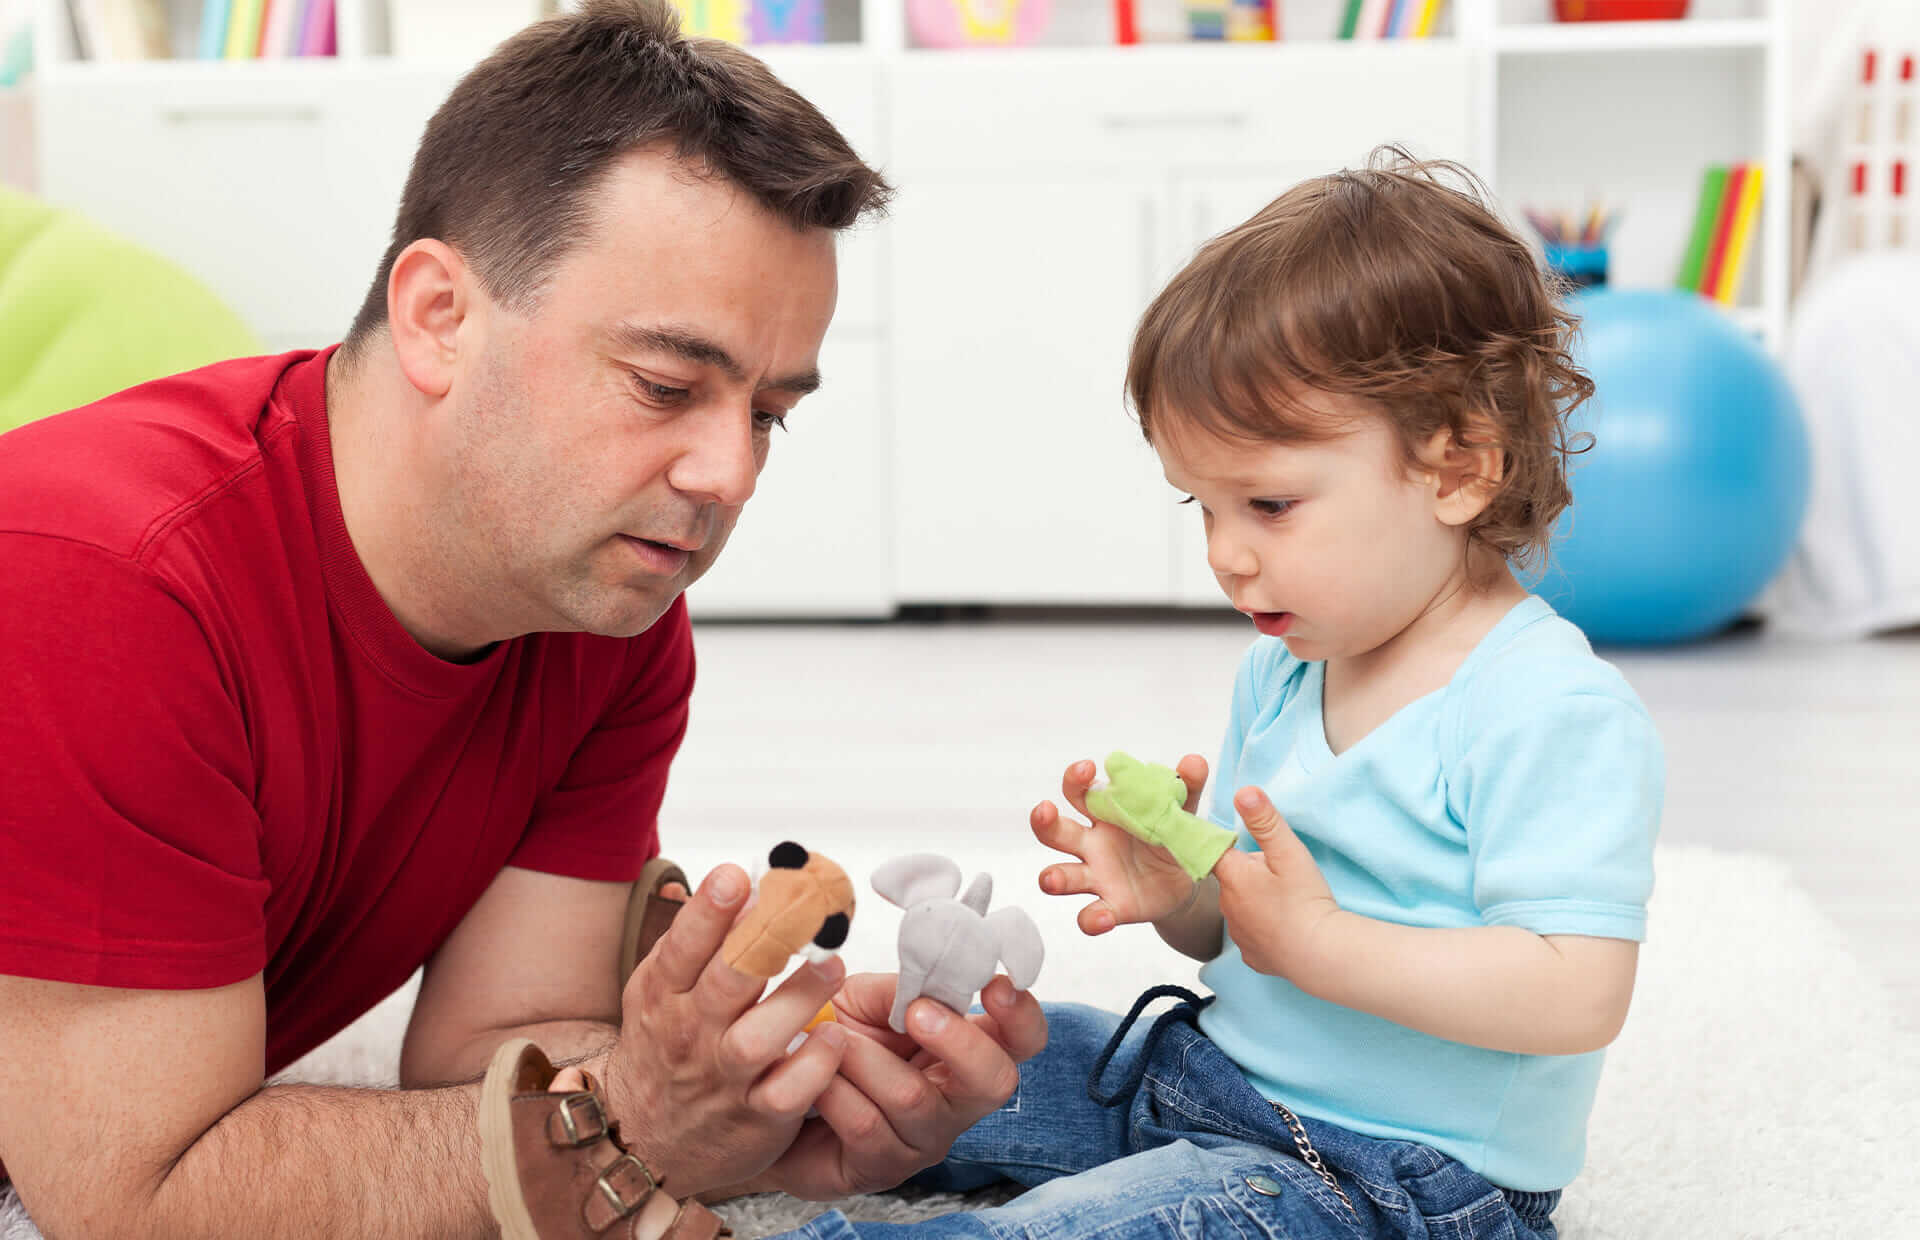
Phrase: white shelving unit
{"type": "Point", "coordinates": [971, 444]}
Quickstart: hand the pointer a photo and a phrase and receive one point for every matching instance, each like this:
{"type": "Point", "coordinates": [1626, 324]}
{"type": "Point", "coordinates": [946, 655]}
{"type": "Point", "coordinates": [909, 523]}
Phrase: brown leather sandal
{"type": "Point", "coordinates": [556, 1169]}
{"type": "Point", "coordinates": [649, 912]}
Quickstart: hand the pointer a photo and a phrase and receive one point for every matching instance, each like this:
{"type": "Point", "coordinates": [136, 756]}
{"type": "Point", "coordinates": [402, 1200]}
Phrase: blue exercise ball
{"type": "Point", "coordinates": [1692, 495]}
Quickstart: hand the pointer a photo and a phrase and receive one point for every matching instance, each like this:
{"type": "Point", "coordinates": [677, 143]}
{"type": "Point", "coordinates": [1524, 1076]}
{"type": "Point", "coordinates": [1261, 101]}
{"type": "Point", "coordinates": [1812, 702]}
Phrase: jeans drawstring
{"type": "Point", "coordinates": [1188, 1012]}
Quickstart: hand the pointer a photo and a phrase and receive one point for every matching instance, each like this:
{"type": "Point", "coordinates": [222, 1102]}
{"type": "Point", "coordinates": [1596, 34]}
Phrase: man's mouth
{"type": "Point", "coordinates": [661, 557]}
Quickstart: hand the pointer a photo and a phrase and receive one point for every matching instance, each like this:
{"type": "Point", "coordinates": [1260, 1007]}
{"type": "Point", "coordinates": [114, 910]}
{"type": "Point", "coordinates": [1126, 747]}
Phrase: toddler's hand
{"type": "Point", "coordinates": [1133, 880]}
{"type": "Point", "coordinates": [1274, 899]}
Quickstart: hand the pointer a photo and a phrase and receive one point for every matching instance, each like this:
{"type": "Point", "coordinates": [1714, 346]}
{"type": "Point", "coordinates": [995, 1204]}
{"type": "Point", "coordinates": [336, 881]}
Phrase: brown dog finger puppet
{"type": "Point", "coordinates": [802, 904]}
{"type": "Point", "coordinates": [949, 947]}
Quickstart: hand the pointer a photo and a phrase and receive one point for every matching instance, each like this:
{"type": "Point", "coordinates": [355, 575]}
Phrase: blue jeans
{"type": "Point", "coordinates": [1188, 1149]}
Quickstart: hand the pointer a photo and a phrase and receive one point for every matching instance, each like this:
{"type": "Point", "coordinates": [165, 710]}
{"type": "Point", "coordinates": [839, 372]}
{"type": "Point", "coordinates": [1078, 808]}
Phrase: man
{"type": "Point", "coordinates": [321, 666]}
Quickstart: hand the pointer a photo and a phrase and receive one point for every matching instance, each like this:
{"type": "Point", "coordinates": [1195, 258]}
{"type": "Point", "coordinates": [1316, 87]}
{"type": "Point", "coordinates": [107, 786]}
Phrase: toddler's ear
{"type": "Point", "coordinates": [1465, 473]}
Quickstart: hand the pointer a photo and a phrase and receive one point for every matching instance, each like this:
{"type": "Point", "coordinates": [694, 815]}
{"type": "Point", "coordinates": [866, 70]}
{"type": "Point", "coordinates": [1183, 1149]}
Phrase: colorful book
{"type": "Point", "coordinates": [1429, 14]}
{"type": "Point", "coordinates": [213, 29]}
{"type": "Point", "coordinates": [1350, 20]}
{"type": "Point", "coordinates": [1722, 230]}
{"type": "Point", "coordinates": [1400, 20]}
{"type": "Point", "coordinates": [1713, 186]}
{"type": "Point", "coordinates": [276, 31]}
{"type": "Point", "coordinates": [1373, 19]}
{"type": "Point", "coordinates": [1744, 213]}
{"type": "Point", "coordinates": [316, 34]}
{"type": "Point", "coordinates": [243, 29]}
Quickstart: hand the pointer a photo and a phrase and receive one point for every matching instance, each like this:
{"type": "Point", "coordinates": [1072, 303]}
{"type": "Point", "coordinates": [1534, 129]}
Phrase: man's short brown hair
{"type": "Point", "coordinates": [505, 170]}
{"type": "Point", "coordinates": [1393, 283]}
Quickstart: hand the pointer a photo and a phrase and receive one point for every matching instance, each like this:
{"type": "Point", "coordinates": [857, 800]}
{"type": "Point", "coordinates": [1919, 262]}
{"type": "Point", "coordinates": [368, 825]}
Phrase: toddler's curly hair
{"type": "Point", "coordinates": [1394, 283]}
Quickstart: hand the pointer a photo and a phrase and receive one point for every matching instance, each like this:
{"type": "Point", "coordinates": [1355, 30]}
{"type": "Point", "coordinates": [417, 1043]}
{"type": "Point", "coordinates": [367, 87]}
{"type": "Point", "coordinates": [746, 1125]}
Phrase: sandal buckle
{"type": "Point", "coordinates": [625, 1168]}
{"type": "Point", "coordinates": [582, 1127]}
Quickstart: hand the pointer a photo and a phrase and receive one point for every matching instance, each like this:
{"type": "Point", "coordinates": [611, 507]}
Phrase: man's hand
{"type": "Point", "coordinates": [1133, 880]}
{"type": "Point", "coordinates": [901, 1100]}
{"type": "Point", "coordinates": [1273, 899]}
{"type": "Point", "coordinates": [700, 1081]}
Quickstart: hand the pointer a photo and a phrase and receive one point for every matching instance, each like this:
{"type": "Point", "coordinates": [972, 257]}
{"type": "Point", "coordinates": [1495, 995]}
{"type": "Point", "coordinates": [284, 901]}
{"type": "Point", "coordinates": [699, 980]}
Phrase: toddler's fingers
{"type": "Point", "coordinates": [1097, 918]}
{"type": "Point", "coordinates": [1065, 880]}
{"type": "Point", "coordinates": [1193, 772]}
{"type": "Point", "coordinates": [1075, 781]}
{"type": "Point", "coordinates": [1056, 832]}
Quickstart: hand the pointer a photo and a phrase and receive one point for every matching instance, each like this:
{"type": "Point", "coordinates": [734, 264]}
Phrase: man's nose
{"type": "Point", "coordinates": [719, 463]}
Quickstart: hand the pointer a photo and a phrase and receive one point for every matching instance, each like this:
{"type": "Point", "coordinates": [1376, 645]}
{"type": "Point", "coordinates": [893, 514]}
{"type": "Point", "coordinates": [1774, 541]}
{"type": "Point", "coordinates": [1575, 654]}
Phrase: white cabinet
{"type": "Point", "coordinates": [814, 539]}
{"type": "Point", "coordinates": [1045, 198]}
{"type": "Point", "coordinates": [1017, 477]}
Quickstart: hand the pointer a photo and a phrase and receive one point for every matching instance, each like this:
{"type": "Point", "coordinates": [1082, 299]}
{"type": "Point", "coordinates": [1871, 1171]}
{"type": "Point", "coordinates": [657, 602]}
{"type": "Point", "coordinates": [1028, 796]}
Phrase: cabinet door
{"type": "Point", "coordinates": [813, 540]}
{"type": "Point", "coordinates": [1019, 477]}
{"type": "Point", "coordinates": [246, 183]}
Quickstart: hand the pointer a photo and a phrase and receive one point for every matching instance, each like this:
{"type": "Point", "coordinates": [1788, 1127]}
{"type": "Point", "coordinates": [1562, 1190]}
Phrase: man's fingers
{"type": "Point", "coordinates": [1019, 1022]}
{"type": "Point", "coordinates": [763, 1032]}
{"type": "Point", "coordinates": [1056, 830]}
{"type": "Point", "coordinates": [865, 1134]}
{"type": "Point", "coordinates": [1193, 773]}
{"type": "Point", "coordinates": [981, 1074]}
{"type": "Point", "coordinates": [677, 960]}
{"type": "Point", "coordinates": [792, 1085]}
{"type": "Point", "coordinates": [910, 1104]}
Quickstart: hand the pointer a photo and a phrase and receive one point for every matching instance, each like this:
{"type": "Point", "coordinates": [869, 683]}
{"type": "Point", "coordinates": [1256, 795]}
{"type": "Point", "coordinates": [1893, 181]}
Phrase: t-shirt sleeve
{"type": "Point", "coordinates": [601, 820]}
{"type": "Point", "coordinates": [129, 842]}
{"type": "Point", "coordinates": [1559, 786]}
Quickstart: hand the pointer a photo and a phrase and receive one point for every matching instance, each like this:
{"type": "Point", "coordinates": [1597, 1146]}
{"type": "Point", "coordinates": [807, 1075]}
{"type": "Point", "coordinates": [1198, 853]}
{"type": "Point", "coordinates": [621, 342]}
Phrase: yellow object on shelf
{"type": "Point", "coordinates": [1728, 287]}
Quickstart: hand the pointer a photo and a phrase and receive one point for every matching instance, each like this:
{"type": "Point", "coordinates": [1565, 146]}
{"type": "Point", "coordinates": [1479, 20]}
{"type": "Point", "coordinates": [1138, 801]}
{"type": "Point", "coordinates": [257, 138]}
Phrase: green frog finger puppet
{"type": "Point", "coordinates": [1148, 801]}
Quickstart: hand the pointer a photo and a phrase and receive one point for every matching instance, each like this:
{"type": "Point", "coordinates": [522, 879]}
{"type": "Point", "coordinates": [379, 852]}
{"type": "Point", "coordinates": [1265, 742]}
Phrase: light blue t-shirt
{"type": "Point", "coordinates": [1526, 792]}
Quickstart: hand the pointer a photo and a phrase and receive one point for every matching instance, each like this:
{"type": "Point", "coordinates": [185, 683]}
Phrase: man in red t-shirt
{"type": "Point", "coordinates": [323, 666]}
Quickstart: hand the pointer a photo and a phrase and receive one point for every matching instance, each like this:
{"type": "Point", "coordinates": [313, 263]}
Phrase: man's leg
{"type": "Point", "coordinates": [1050, 1127]}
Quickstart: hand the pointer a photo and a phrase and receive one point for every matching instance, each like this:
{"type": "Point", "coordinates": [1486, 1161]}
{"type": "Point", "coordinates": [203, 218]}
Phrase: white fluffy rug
{"type": "Point", "coordinates": [1762, 1087]}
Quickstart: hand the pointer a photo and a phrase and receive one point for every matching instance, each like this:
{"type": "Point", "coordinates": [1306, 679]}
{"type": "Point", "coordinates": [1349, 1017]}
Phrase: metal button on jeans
{"type": "Point", "coordinates": [1264, 1184]}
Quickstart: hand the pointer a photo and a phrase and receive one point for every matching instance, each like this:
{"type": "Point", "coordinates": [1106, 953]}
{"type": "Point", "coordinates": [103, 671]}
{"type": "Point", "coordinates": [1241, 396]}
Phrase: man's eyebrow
{"type": "Point", "coordinates": [695, 348]}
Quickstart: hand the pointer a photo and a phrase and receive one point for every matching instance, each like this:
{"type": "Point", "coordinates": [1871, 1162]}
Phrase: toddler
{"type": "Point", "coordinates": [1446, 803]}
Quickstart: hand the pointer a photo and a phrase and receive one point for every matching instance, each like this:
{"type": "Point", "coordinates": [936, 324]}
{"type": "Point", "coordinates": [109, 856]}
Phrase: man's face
{"type": "Point", "coordinates": [610, 434]}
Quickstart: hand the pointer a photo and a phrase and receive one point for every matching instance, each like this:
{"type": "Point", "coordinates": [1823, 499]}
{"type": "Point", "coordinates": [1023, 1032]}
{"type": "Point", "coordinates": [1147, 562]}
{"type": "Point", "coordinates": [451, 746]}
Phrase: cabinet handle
{"type": "Point", "coordinates": [1127, 122]}
{"type": "Point", "coordinates": [216, 114]}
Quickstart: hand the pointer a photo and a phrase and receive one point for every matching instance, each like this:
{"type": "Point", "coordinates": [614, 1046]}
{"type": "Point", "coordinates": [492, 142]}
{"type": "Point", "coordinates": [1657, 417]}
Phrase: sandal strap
{"type": "Point", "coordinates": [696, 1222]}
{"type": "Point", "coordinates": [622, 1187]}
{"type": "Point", "coordinates": [577, 1120]}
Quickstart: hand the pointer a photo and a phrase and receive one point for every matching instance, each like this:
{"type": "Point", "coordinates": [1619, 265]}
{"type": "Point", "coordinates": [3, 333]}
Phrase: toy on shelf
{"type": "Point", "coordinates": [803, 904]}
{"type": "Point", "coordinates": [715, 19]}
{"type": "Point", "coordinates": [949, 947]}
{"type": "Point", "coordinates": [787, 21]}
{"type": "Point", "coordinates": [1148, 802]}
{"type": "Point", "coordinates": [1576, 249]}
{"type": "Point", "coordinates": [1619, 10]}
{"type": "Point", "coordinates": [1235, 21]}
{"type": "Point", "coordinates": [975, 23]}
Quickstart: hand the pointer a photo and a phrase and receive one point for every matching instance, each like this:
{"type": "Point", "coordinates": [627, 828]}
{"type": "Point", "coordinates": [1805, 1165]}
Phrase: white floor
{"type": "Point", "coordinates": [944, 735]}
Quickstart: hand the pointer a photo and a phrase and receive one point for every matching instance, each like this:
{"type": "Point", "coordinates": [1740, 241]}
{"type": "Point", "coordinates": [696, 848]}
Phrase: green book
{"type": "Point", "coordinates": [1713, 187]}
{"type": "Point", "coordinates": [1351, 21]}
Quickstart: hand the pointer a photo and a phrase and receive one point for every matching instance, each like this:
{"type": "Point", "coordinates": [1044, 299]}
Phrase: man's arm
{"type": "Point", "coordinates": [139, 1113]}
{"type": "Point", "coordinates": [536, 957]}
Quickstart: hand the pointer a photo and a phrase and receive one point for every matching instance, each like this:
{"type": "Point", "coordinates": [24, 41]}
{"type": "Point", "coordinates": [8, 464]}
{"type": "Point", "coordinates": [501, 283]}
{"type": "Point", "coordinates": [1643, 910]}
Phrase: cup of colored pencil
{"type": "Point", "coordinates": [1576, 246]}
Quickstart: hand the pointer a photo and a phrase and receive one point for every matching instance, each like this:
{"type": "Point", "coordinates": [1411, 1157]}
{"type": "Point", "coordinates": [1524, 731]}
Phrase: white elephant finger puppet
{"type": "Point", "coordinates": [949, 947]}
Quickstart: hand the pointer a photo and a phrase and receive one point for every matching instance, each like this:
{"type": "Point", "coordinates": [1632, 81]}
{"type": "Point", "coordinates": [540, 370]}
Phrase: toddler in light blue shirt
{"type": "Point", "coordinates": [1446, 803]}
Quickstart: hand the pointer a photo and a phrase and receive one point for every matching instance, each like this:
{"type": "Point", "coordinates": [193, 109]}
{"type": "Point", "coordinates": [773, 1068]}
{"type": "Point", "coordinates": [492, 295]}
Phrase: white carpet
{"type": "Point", "coordinates": [1761, 1089]}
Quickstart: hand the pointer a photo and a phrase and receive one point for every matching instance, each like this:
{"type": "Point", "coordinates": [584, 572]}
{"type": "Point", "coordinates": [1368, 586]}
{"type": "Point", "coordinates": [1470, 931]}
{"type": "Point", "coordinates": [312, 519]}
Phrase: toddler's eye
{"type": "Point", "coordinates": [1271, 507]}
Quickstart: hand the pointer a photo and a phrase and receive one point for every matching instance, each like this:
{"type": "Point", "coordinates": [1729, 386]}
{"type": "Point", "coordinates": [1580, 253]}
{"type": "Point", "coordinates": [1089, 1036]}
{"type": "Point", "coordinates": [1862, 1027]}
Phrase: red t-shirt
{"type": "Point", "coordinates": [221, 755]}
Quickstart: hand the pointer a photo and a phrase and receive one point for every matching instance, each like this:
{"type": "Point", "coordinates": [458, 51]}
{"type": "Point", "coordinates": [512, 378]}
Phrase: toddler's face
{"type": "Point", "coordinates": [1334, 546]}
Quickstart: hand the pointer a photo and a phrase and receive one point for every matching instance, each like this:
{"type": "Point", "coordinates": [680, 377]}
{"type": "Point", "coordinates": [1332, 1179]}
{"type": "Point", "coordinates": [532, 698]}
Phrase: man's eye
{"type": "Point", "coordinates": [767, 419]}
{"type": "Point", "coordinates": [659, 392]}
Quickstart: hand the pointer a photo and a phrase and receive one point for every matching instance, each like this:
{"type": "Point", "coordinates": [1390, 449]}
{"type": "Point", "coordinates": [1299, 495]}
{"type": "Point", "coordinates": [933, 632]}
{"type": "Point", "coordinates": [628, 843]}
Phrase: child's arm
{"type": "Point", "coordinates": [1499, 987]}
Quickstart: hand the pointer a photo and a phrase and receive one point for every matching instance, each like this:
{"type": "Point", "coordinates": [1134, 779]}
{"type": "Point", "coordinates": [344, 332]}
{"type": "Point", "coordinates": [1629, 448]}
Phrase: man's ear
{"type": "Point", "coordinates": [429, 295]}
{"type": "Point", "coordinates": [1465, 473]}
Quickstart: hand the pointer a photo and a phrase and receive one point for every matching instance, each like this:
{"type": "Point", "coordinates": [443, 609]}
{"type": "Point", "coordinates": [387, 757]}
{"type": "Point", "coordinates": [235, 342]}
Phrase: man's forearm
{"type": "Point", "coordinates": [564, 1041]}
{"type": "Point", "coordinates": [313, 1161]}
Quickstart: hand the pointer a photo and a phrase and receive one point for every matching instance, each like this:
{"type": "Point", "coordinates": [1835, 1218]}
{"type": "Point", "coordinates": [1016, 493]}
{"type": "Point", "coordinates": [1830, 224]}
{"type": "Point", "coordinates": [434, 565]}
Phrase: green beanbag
{"type": "Point", "coordinates": [85, 313]}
